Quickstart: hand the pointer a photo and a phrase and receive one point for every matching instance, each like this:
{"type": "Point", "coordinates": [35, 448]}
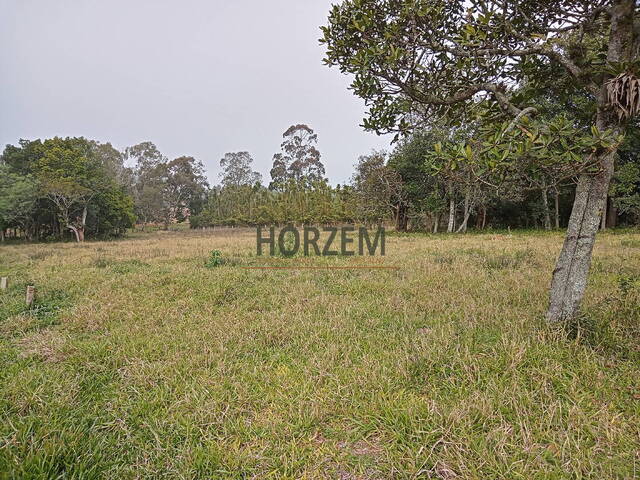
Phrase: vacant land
{"type": "Point", "coordinates": [138, 361]}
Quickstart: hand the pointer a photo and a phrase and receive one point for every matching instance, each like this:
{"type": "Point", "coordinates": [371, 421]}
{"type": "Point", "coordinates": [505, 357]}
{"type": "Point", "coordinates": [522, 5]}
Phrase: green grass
{"type": "Point", "coordinates": [138, 361]}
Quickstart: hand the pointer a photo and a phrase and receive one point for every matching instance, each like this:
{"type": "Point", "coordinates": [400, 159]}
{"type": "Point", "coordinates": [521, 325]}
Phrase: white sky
{"type": "Point", "coordinates": [195, 77]}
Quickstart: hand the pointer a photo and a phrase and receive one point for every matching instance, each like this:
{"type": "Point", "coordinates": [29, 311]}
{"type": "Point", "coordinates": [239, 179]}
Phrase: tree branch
{"type": "Point", "coordinates": [466, 94]}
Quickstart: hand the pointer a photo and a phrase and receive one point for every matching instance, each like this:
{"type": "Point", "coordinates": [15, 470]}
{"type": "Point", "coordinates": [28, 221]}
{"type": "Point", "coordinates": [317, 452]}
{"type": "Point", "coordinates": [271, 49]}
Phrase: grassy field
{"type": "Point", "coordinates": [137, 361]}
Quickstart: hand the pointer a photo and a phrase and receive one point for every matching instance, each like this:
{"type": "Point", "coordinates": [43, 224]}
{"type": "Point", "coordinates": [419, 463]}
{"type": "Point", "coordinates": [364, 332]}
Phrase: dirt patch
{"type": "Point", "coordinates": [368, 447]}
{"type": "Point", "coordinates": [444, 471]}
{"type": "Point", "coordinates": [46, 344]}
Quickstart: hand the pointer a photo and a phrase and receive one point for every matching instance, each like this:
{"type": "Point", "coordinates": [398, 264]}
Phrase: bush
{"type": "Point", "coordinates": [215, 259]}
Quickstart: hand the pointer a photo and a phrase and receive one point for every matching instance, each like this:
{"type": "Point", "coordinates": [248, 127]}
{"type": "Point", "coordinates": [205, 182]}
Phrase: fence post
{"type": "Point", "coordinates": [4, 283]}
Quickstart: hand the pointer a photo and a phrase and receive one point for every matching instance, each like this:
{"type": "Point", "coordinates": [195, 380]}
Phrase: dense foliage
{"type": "Point", "coordinates": [63, 187]}
{"type": "Point", "coordinates": [46, 185]}
{"type": "Point", "coordinates": [411, 188]}
{"type": "Point", "coordinates": [50, 187]}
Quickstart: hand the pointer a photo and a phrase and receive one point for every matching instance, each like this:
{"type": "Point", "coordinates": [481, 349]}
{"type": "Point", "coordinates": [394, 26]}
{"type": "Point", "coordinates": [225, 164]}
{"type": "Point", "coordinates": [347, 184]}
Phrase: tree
{"type": "Point", "coordinates": [111, 212]}
{"type": "Point", "coordinates": [379, 189]}
{"type": "Point", "coordinates": [148, 180]}
{"type": "Point", "coordinates": [145, 155]}
{"type": "Point", "coordinates": [417, 58]}
{"type": "Point", "coordinates": [63, 184]}
{"type": "Point", "coordinates": [69, 176]}
{"type": "Point", "coordinates": [625, 188]}
{"type": "Point", "coordinates": [454, 166]}
{"type": "Point", "coordinates": [299, 160]}
{"type": "Point", "coordinates": [184, 189]}
{"type": "Point", "coordinates": [112, 162]}
{"type": "Point", "coordinates": [236, 170]}
{"type": "Point", "coordinates": [165, 190]}
{"type": "Point", "coordinates": [422, 188]}
{"type": "Point", "coordinates": [20, 159]}
{"type": "Point", "coordinates": [148, 199]}
{"type": "Point", "coordinates": [18, 195]}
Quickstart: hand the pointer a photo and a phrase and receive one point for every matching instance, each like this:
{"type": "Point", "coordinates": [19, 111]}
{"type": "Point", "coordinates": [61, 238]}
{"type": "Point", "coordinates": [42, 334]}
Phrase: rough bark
{"type": "Point", "coordinates": [572, 268]}
{"type": "Point", "coordinates": [83, 223]}
{"type": "Point", "coordinates": [79, 227]}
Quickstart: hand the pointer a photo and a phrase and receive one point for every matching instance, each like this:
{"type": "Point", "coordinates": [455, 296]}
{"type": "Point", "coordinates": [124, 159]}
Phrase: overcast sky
{"type": "Point", "coordinates": [196, 77]}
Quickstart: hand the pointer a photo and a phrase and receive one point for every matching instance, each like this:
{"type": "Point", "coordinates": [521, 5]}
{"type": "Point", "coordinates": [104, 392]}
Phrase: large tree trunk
{"type": "Point", "coordinates": [83, 223]}
{"type": "Point", "coordinates": [78, 228]}
{"type": "Point", "coordinates": [572, 268]}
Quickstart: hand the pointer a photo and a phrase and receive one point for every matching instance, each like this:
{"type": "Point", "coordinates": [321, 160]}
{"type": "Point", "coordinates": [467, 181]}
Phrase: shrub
{"type": "Point", "coordinates": [215, 259]}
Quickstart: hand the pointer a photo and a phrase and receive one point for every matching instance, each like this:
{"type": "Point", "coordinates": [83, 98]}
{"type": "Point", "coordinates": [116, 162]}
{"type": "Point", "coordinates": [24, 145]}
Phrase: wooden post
{"type": "Point", "coordinates": [31, 293]}
{"type": "Point", "coordinates": [4, 283]}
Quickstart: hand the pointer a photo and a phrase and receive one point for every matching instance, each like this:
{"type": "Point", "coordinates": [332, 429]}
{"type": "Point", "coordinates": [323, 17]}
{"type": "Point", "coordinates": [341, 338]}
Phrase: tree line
{"type": "Point", "coordinates": [416, 186]}
{"type": "Point", "coordinates": [63, 187]}
{"type": "Point", "coordinates": [77, 187]}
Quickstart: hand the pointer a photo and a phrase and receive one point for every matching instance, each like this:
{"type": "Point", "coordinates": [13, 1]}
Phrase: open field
{"type": "Point", "coordinates": [139, 362]}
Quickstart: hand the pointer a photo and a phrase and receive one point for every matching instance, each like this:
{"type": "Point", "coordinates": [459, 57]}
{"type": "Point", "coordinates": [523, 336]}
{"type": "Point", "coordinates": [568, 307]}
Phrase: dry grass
{"type": "Point", "coordinates": [139, 362]}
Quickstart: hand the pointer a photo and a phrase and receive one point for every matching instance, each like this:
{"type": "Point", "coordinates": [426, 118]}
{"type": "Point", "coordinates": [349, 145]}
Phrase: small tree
{"type": "Point", "coordinates": [422, 188]}
{"type": "Point", "coordinates": [379, 189]}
